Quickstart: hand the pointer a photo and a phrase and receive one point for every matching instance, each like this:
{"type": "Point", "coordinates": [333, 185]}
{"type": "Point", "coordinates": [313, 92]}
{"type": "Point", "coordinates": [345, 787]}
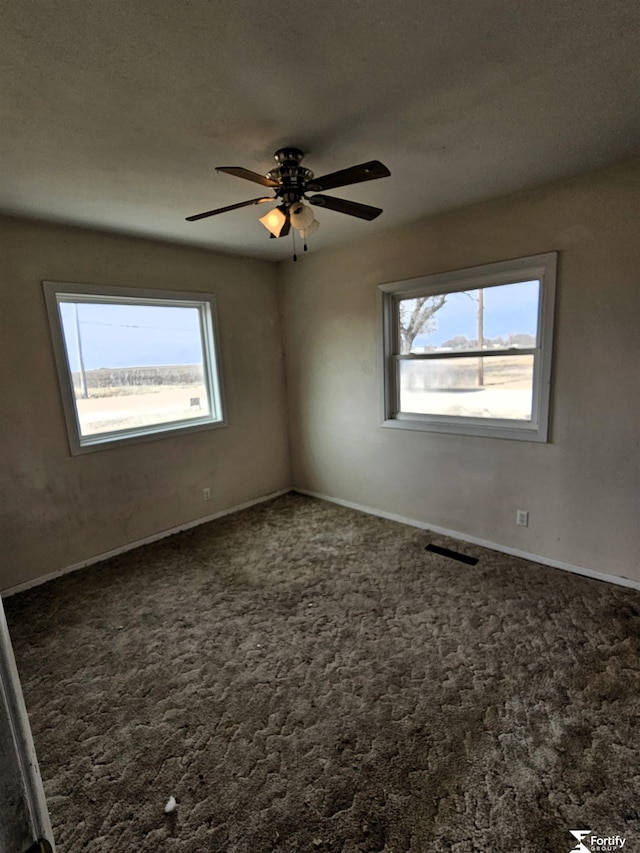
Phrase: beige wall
{"type": "Point", "coordinates": [56, 509]}
{"type": "Point", "coordinates": [582, 489]}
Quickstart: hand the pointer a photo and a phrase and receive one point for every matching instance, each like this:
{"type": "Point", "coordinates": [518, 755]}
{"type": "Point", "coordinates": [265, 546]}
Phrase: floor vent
{"type": "Point", "coordinates": [453, 555]}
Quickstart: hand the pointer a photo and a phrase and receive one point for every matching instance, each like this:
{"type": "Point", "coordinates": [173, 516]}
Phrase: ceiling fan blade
{"type": "Point", "coordinates": [228, 207]}
{"type": "Point", "coordinates": [248, 175]}
{"type": "Point", "coordinates": [354, 175]}
{"type": "Point", "coordinates": [351, 208]}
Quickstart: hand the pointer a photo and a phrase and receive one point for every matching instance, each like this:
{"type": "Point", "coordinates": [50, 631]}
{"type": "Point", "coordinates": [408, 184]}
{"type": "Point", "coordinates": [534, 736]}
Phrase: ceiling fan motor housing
{"type": "Point", "coordinates": [293, 178]}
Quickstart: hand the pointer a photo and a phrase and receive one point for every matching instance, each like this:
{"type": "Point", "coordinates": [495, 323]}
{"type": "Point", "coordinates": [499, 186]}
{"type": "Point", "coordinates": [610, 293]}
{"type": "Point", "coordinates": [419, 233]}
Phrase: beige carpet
{"type": "Point", "coordinates": [303, 677]}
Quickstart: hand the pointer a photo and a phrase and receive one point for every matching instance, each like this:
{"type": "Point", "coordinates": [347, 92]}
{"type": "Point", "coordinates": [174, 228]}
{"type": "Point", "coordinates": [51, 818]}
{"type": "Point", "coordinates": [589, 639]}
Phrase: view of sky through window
{"type": "Point", "coordinates": [508, 310]}
{"type": "Point", "coordinates": [498, 319]}
{"type": "Point", "coordinates": [137, 366]}
{"type": "Point", "coordinates": [469, 351]}
{"type": "Point", "coordinates": [129, 335]}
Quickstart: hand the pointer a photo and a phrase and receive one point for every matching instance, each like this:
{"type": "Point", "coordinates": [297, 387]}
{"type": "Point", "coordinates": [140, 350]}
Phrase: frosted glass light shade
{"type": "Point", "coordinates": [301, 215]}
{"type": "Point", "coordinates": [310, 229]}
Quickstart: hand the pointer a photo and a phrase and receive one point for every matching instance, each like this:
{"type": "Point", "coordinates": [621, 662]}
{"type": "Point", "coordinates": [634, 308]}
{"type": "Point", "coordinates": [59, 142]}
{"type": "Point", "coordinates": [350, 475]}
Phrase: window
{"type": "Point", "coordinates": [133, 364]}
{"type": "Point", "coordinates": [470, 351]}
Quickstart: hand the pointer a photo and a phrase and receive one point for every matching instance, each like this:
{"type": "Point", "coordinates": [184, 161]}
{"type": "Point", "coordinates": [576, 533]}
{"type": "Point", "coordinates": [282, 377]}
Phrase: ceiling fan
{"type": "Point", "coordinates": [291, 183]}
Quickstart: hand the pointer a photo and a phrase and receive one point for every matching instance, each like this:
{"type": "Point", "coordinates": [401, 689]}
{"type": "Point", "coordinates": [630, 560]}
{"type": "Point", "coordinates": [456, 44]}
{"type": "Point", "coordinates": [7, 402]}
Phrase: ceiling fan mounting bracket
{"type": "Point", "coordinates": [288, 155]}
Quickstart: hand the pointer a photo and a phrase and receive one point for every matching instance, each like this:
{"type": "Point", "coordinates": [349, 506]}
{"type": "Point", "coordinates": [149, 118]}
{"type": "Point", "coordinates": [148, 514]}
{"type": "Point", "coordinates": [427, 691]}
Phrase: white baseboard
{"type": "Point", "coordinates": [454, 534]}
{"type": "Point", "coordinates": [131, 545]}
{"type": "Point", "coordinates": [464, 537]}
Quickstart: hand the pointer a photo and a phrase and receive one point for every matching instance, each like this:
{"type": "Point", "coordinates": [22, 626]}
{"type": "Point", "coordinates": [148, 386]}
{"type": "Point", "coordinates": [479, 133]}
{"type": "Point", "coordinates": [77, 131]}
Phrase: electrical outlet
{"type": "Point", "coordinates": [206, 494]}
{"type": "Point", "coordinates": [522, 518]}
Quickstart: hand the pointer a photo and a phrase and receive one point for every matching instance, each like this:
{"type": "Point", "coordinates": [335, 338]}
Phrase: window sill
{"type": "Point", "coordinates": [521, 432]}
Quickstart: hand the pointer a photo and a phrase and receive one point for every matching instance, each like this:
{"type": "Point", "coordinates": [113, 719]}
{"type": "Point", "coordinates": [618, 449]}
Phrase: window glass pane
{"type": "Point", "coordinates": [500, 317]}
{"type": "Point", "coordinates": [134, 365]}
{"type": "Point", "coordinates": [496, 387]}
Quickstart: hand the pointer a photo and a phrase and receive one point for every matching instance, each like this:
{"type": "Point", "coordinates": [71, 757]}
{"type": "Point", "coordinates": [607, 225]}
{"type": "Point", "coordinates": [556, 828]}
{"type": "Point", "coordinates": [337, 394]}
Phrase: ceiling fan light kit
{"type": "Point", "coordinates": [275, 220]}
{"type": "Point", "coordinates": [291, 182]}
{"type": "Point", "coordinates": [310, 229]}
{"type": "Point", "coordinates": [301, 215]}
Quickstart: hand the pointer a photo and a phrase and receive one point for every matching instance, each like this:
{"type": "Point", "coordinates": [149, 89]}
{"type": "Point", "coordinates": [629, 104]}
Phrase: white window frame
{"type": "Point", "coordinates": [56, 292]}
{"type": "Point", "coordinates": [536, 267]}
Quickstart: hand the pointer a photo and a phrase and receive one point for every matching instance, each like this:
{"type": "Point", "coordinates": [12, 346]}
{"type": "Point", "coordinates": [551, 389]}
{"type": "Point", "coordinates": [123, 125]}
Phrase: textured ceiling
{"type": "Point", "coordinates": [115, 113]}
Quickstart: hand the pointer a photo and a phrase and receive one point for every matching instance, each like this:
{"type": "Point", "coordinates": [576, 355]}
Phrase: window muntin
{"type": "Point", "coordinates": [470, 351]}
{"type": "Point", "coordinates": [133, 364]}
